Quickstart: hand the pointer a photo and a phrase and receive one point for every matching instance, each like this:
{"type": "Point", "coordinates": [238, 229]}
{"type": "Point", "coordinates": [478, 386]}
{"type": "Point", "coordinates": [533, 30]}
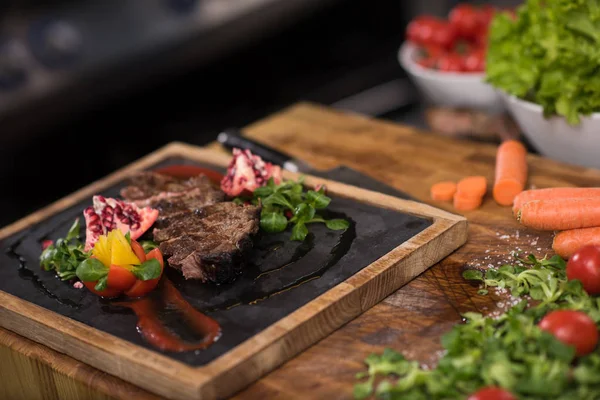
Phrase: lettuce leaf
{"type": "Point", "coordinates": [550, 55]}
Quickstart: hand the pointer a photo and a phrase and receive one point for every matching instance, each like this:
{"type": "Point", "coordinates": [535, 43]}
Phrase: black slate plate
{"type": "Point", "coordinates": [274, 283]}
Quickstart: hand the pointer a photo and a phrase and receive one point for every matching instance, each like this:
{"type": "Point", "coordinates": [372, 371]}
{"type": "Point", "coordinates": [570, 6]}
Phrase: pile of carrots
{"type": "Point", "coordinates": [573, 212]}
{"type": "Point", "coordinates": [511, 176]}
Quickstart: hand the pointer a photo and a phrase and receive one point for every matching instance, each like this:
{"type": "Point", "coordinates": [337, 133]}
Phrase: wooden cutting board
{"type": "Point", "coordinates": [417, 237]}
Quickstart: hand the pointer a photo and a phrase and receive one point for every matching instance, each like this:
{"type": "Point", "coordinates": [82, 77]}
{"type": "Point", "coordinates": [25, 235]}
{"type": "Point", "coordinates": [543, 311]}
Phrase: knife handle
{"type": "Point", "coordinates": [232, 137]}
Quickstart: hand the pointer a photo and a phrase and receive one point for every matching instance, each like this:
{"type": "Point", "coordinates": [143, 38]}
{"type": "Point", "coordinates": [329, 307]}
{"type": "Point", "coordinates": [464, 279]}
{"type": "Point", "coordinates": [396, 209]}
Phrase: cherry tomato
{"type": "Point", "coordinates": [141, 288]}
{"type": "Point", "coordinates": [429, 56]}
{"type": "Point", "coordinates": [485, 14]}
{"type": "Point", "coordinates": [475, 61]}
{"type": "Point", "coordinates": [444, 35]}
{"type": "Point", "coordinates": [138, 250]}
{"type": "Point", "coordinates": [492, 393]}
{"type": "Point", "coordinates": [119, 278]}
{"type": "Point", "coordinates": [420, 29]}
{"type": "Point", "coordinates": [584, 265]}
{"type": "Point", "coordinates": [465, 19]}
{"type": "Point", "coordinates": [574, 328]}
{"type": "Point", "coordinates": [108, 292]}
{"type": "Point", "coordinates": [481, 39]}
{"type": "Point", "coordinates": [450, 63]}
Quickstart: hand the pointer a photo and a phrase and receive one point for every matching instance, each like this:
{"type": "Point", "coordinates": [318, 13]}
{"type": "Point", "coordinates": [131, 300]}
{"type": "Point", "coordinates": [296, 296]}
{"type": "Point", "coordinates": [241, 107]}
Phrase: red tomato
{"type": "Point", "coordinates": [450, 63]}
{"type": "Point", "coordinates": [465, 19]}
{"type": "Point", "coordinates": [584, 265]}
{"type": "Point", "coordinates": [108, 292]}
{"type": "Point", "coordinates": [429, 56]}
{"type": "Point", "coordinates": [420, 29]}
{"type": "Point", "coordinates": [485, 14]}
{"type": "Point", "coordinates": [475, 61]}
{"type": "Point", "coordinates": [141, 288]}
{"type": "Point", "coordinates": [574, 328]}
{"type": "Point", "coordinates": [492, 393]}
{"type": "Point", "coordinates": [119, 278]}
{"type": "Point", "coordinates": [138, 250]}
{"type": "Point", "coordinates": [444, 35]}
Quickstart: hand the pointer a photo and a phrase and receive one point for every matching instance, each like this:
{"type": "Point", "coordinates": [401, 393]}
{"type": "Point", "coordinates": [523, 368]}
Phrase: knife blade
{"type": "Point", "coordinates": [233, 138]}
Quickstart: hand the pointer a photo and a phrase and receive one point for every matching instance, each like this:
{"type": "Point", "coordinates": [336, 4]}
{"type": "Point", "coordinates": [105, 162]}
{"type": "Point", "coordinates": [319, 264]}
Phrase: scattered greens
{"type": "Point", "coordinates": [302, 208]}
{"type": "Point", "coordinates": [65, 254]}
{"type": "Point", "coordinates": [509, 351]}
{"type": "Point", "coordinates": [92, 270]}
{"type": "Point", "coordinates": [549, 55]}
{"type": "Point", "coordinates": [148, 245]}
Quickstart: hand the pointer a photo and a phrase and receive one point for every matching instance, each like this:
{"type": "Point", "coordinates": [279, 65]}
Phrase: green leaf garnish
{"type": "Point", "coordinates": [278, 201]}
{"type": "Point", "coordinates": [273, 222]}
{"type": "Point", "coordinates": [91, 270]}
{"type": "Point", "coordinates": [148, 270]}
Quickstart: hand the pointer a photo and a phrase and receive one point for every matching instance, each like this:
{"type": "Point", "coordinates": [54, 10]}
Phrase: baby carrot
{"type": "Point", "coordinates": [443, 191]}
{"type": "Point", "coordinates": [553, 193]}
{"type": "Point", "coordinates": [568, 242]}
{"type": "Point", "coordinates": [560, 214]}
{"type": "Point", "coordinates": [464, 202]}
{"type": "Point", "coordinates": [511, 172]}
{"type": "Point", "coordinates": [472, 186]}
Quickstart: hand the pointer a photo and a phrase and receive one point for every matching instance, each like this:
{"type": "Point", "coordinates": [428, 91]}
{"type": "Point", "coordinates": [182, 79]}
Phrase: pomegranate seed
{"type": "Point", "coordinates": [46, 243]}
{"type": "Point", "coordinates": [96, 228]}
{"type": "Point", "coordinates": [109, 210]}
{"type": "Point", "coordinates": [288, 214]}
{"type": "Point", "coordinates": [135, 225]}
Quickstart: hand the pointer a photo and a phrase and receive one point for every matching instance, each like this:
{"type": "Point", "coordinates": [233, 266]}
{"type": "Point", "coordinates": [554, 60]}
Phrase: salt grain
{"type": "Point", "coordinates": [78, 285]}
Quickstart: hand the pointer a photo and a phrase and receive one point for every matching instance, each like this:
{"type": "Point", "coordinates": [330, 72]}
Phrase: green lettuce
{"type": "Point", "coordinates": [549, 55]}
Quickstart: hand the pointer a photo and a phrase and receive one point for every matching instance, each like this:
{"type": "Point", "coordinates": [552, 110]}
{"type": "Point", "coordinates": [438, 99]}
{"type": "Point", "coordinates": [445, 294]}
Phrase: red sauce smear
{"type": "Point", "coordinates": [155, 333]}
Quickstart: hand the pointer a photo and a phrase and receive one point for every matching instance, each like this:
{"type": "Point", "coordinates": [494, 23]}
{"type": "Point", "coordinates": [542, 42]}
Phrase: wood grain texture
{"type": "Point", "coordinates": [410, 320]}
{"type": "Point", "coordinates": [266, 350]}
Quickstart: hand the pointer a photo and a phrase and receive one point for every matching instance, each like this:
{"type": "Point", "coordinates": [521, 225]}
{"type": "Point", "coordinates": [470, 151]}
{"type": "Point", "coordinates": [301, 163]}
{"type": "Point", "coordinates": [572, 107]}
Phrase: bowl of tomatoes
{"type": "Point", "coordinates": [445, 58]}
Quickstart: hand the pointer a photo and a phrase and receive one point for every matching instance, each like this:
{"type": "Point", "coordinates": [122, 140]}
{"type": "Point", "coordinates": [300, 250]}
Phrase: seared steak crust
{"type": "Point", "coordinates": [197, 231]}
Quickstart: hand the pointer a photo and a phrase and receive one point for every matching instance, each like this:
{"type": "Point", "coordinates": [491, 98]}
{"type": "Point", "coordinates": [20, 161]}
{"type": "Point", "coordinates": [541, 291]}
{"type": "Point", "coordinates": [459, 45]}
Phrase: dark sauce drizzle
{"type": "Point", "coordinates": [253, 296]}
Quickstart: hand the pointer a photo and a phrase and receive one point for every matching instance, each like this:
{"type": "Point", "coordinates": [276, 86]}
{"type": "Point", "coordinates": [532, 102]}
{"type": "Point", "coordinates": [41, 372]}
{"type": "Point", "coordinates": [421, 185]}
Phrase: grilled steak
{"type": "Point", "coordinates": [209, 244]}
{"type": "Point", "coordinates": [199, 233]}
{"type": "Point", "coordinates": [150, 188]}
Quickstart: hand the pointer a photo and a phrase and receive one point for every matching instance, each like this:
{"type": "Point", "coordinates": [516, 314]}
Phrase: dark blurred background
{"type": "Point", "coordinates": [87, 86]}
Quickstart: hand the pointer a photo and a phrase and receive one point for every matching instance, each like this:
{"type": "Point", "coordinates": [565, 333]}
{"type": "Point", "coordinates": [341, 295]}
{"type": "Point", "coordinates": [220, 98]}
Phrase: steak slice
{"type": "Point", "coordinates": [151, 188]}
{"type": "Point", "coordinates": [210, 243]}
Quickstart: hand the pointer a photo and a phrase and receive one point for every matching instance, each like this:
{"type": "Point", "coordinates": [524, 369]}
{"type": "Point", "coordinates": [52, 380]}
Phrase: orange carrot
{"type": "Point", "coordinates": [443, 191]}
{"type": "Point", "coordinates": [464, 202]}
{"type": "Point", "coordinates": [553, 193]}
{"type": "Point", "coordinates": [472, 186]}
{"type": "Point", "coordinates": [511, 172]}
{"type": "Point", "coordinates": [568, 242]}
{"type": "Point", "coordinates": [560, 214]}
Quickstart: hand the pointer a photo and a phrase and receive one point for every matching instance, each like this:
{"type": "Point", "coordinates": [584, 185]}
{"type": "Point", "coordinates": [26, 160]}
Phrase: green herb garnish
{"type": "Point", "coordinates": [65, 255]}
{"type": "Point", "coordinates": [148, 245]}
{"type": "Point", "coordinates": [509, 351]}
{"type": "Point", "coordinates": [302, 208]}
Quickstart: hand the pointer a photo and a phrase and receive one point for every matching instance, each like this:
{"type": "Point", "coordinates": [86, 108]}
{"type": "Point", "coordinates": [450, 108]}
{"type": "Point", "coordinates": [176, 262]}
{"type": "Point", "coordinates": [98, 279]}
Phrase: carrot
{"type": "Point", "coordinates": [560, 214]}
{"type": "Point", "coordinates": [464, 202]}
{"type": "Point", "coordinates": [472, 186]}
{"type": "Point", "coordinates": [511, 172]}
{"type": "Point", "coordinates": [443, 191]}
{"type": "Point", "coordinates": [553, 193]}
{"type": "Point", "coordinates": [568, 242]}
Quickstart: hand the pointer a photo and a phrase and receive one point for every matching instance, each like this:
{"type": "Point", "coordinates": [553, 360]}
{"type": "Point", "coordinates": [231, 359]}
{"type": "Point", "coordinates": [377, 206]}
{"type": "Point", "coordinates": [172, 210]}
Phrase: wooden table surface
{"type": "Point", "coordinates": [411, 320]}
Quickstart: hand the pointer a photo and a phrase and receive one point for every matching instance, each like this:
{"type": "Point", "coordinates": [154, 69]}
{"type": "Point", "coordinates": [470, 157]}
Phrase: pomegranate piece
{"type": "Point", "coordinates": [107, 214]}
{"type": "Point", "coordinates": [246, 172]}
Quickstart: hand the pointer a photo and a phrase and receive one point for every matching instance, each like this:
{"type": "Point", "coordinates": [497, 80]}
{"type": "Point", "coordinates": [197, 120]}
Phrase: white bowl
{"type": "Point", "coordinates": [451, 89]}
{"type": "Point", "coordinates": [553, 137]}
